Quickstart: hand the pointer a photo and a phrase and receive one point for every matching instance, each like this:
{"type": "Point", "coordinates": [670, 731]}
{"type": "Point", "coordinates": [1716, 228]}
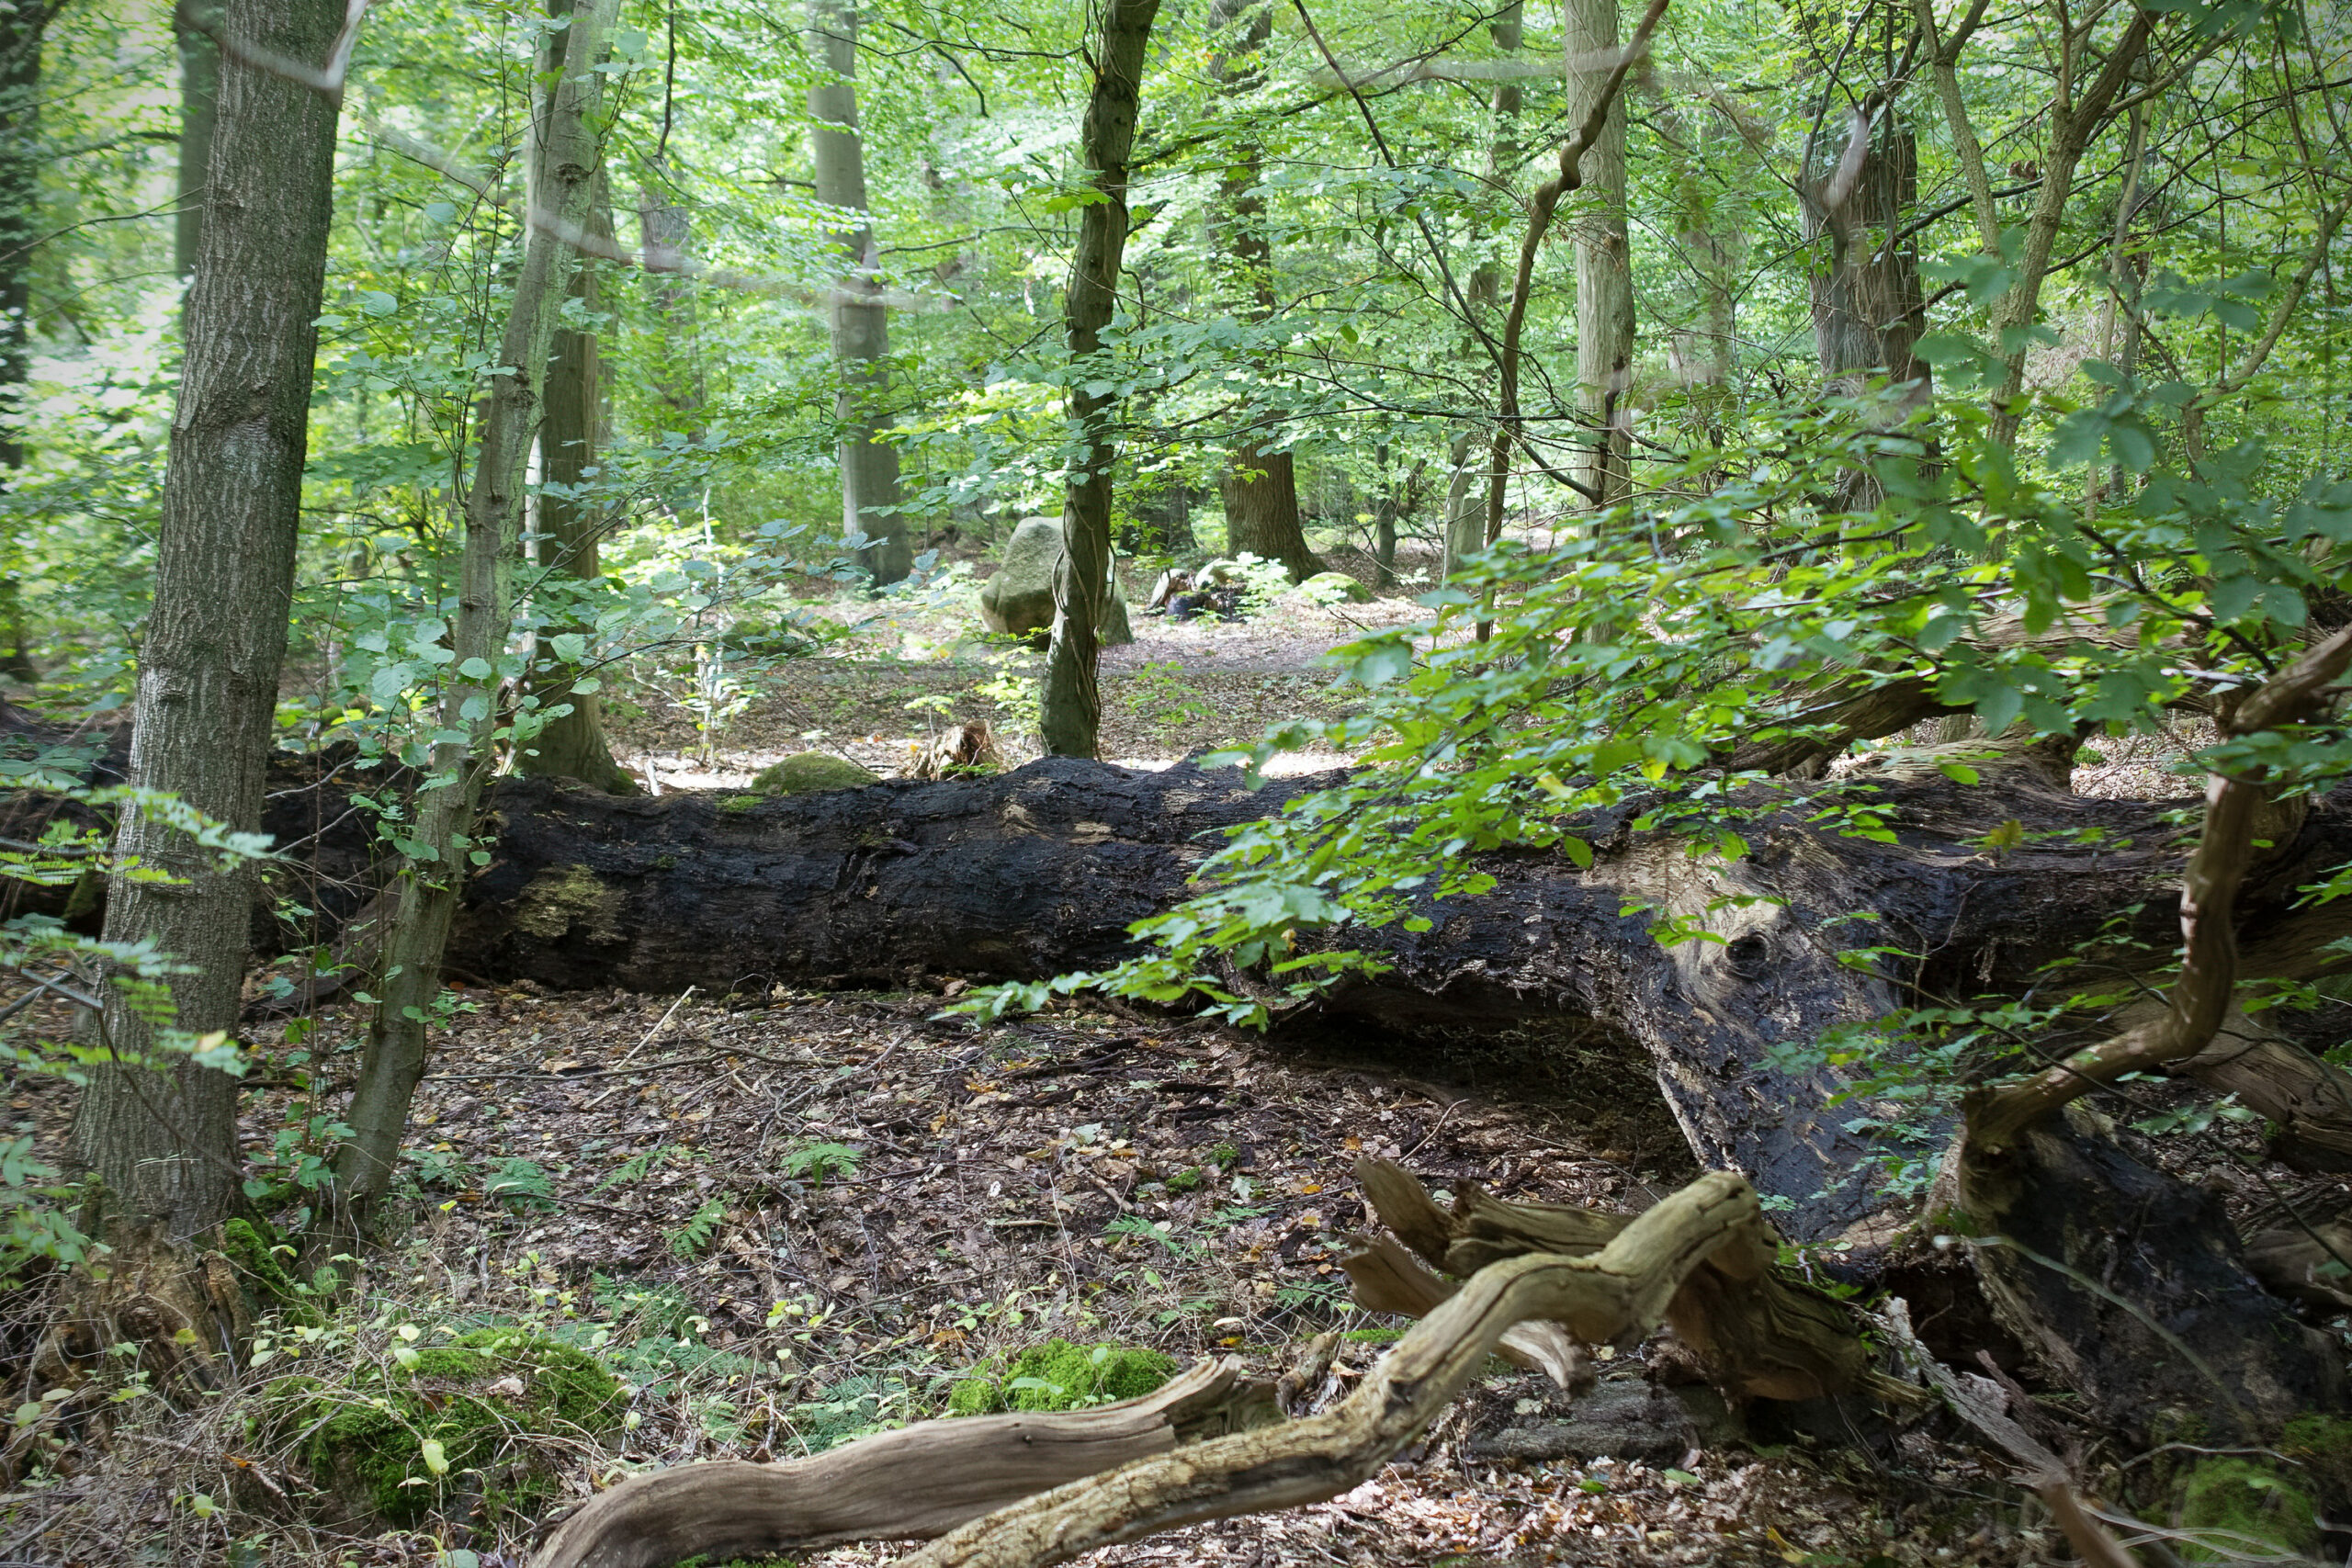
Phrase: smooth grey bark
{"type": "Point", "coordinates": [573, 745]}
{"type": "Point", "coordinates": [1070, 716]}
{"type": "Point", "coordinates": [1604, 257]}
{"type": "Point", "coordinates": [564, 177]}
{"type": "Point", "coordinates": [859, 321]}
{"type": "Point", "coordinates": [164, 1140]}
{"type": "Point", "coordinates": [1259, 484]}
{"type": "Point", "coordinates": [199, 107]}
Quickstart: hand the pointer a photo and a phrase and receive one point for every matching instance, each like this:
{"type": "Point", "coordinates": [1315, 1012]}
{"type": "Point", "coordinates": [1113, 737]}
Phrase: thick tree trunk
{"type": "Point", "coordinates": [164, 1141]}
{"type": "Point", "coordinates": [573, 745]}
{"type": "Point", "coordinates": [1042, 870]}
{"type": "Point", "coordinates": [1071, 705]}
{"type": "Point", "coordinates": [561, 195]}
{"type": "Point", "coordinates": [1861, 184]}
{"type": "Point", "coordinates": [860, 322]}
{"type": "Point", "coordinates": [1259, 486]}
{"type": "Point", "coordinates": [1604, 258]}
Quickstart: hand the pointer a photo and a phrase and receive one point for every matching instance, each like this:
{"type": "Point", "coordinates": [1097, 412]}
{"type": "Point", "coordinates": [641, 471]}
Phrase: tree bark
{"type": "Point", "coordinates": [564, 174]}
{"type": "Point", "coordinates": [164, 1141]}
{"type": "Point", "coordinates": [859, 320]}
{"type": "Point", "coordinates": [1604, 258]}
{"type": "Point", "coordinates": [1861, 181]}
{"type": "Point", "coordinates": [573, 744]}
{"type": "Point", "coordinates": [1259, 485]}
{"type": "Point", "coordinates": [1071, 706]}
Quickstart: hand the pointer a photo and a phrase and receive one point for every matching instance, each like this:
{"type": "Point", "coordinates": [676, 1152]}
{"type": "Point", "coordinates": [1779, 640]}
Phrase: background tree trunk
{"type": "Point", "coordinates": [563, 182]}
{"type": "Point", "coordinates": [1604, 257]}
{"type": "Point", "coordinates": [165, 1142]}
{"type": "Point", "coordinates": [860, 322]}
{"type": "Point", "coordinates": [1465, 520]}
{"type": "Point", "coordinates": [1072, 708]}
{"type": "Point", "coordinates": [1259, 485]}
{"type": "Point", "coordinates": [665, 229]}
{"type": "Point", "coordinates": [572, 746]}
{"type": "Point", "coordinates": [23, 28]}
{"type": "Point", "coordinates": [1868, 309]}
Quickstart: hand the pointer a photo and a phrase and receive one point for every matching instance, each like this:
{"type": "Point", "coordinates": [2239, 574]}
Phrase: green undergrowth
{"type": "Point", "coordinates": [402, 1437]}
{"type": "Point", "coordinates": [1058, 1375]}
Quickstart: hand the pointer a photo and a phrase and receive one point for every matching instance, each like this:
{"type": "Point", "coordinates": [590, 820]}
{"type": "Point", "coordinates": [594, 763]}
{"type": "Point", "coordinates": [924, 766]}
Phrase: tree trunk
{"type": "Point", "coordinates": [22, 31]}
{"type": "Point", "coordinates": [573, 744]}
{"type": "Point", "coordinates": [1071, 707]}
{"type": "Point", "coordinates": [860, 322]}
{"type": "Point", "coordinates": [564, 176]}
{"type": "Point", "coordinates": [1867, 311]}
{"type": "Point", "coordinates": [1259, 485]}
{"type": "Point", "coordinates": [666, 230]}
{"type": "Point", "coordinates": [164, 1140]}
{"type": "Point", "coordinates": [1604, 260]}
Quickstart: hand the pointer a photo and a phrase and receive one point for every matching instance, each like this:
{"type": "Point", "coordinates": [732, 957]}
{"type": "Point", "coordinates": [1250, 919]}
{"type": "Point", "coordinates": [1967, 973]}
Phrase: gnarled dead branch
{"type": "Point", "coordinates": [916, 1481]}
{"type": "Point", "coordinates": [1762, 1332]}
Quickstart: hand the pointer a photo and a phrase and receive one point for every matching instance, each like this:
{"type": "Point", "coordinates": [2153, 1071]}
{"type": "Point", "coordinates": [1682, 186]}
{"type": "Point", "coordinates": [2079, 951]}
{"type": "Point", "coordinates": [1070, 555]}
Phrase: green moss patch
{"type": "Point", "coordinates": [252, 1252]}
{"type": "Point", "coordinates": [2246, 1506]}
{"type": "Point", "coordinates": [1058, 1375]}
{"type": "Point", "coordinates": [399, 1441]}
{"type": "Point", "coordinates": [806, 773]}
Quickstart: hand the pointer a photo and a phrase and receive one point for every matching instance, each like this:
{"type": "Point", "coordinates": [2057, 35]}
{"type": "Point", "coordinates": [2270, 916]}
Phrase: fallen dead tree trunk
{"type": "Point", "coordinates": [1041, 871]}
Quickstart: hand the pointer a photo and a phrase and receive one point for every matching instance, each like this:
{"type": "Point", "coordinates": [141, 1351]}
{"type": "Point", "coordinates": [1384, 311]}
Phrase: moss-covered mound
{"type": "Point", "coordinates": [1058, 1375]}
{"type": "Point", "coordinates": [806, 773]}
{"type": "Point", "coordinates": [395, 1443]}
{"type": "Point", "coordinates": [2246, 1506]}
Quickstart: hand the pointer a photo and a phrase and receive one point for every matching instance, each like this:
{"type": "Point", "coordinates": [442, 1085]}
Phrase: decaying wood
{"type": "Point", "coordinates": [1764, 1333]}
{"type": "Point", "coordinates": [1621, 1291]}
{"type": "Point", "coordinates": [917, 1481]}
{"type": "Point", "coordinates": [1387, 1280]}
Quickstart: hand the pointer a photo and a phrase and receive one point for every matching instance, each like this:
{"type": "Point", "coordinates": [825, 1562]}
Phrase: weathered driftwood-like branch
{"type": "Point", "coordinates": [2202, 994]}
{"type": "Point", "coordinates": [920, 1480]}
{"type": "Point", "coordinates": [1764, 1332]}
{"type": "Point", "coordinates": [1622, 1289]}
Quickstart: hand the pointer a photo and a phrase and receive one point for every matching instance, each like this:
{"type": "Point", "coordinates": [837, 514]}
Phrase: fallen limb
{"type": "Point", "coordinates": [1763, 1332]}
{"type": "Point", "coordinates": [916, 1481]}
{"type": "Point", "coordinates": [1621, 1290]}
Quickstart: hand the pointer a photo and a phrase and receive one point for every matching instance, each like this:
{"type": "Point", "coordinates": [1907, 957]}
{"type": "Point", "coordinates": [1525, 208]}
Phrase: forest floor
{"type": "Point", "coordinates": [664, 1181]}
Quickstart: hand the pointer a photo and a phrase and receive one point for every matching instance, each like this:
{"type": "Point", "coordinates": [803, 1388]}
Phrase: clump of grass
{"type": "Point", "coordinates": [394, 1443]}
{"type": "Point", "coordinates": [1058, 1375]}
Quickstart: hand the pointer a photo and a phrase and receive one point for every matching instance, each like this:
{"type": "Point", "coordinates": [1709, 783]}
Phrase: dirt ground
{"type": "Point", "coordinates": [623, 1167]}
